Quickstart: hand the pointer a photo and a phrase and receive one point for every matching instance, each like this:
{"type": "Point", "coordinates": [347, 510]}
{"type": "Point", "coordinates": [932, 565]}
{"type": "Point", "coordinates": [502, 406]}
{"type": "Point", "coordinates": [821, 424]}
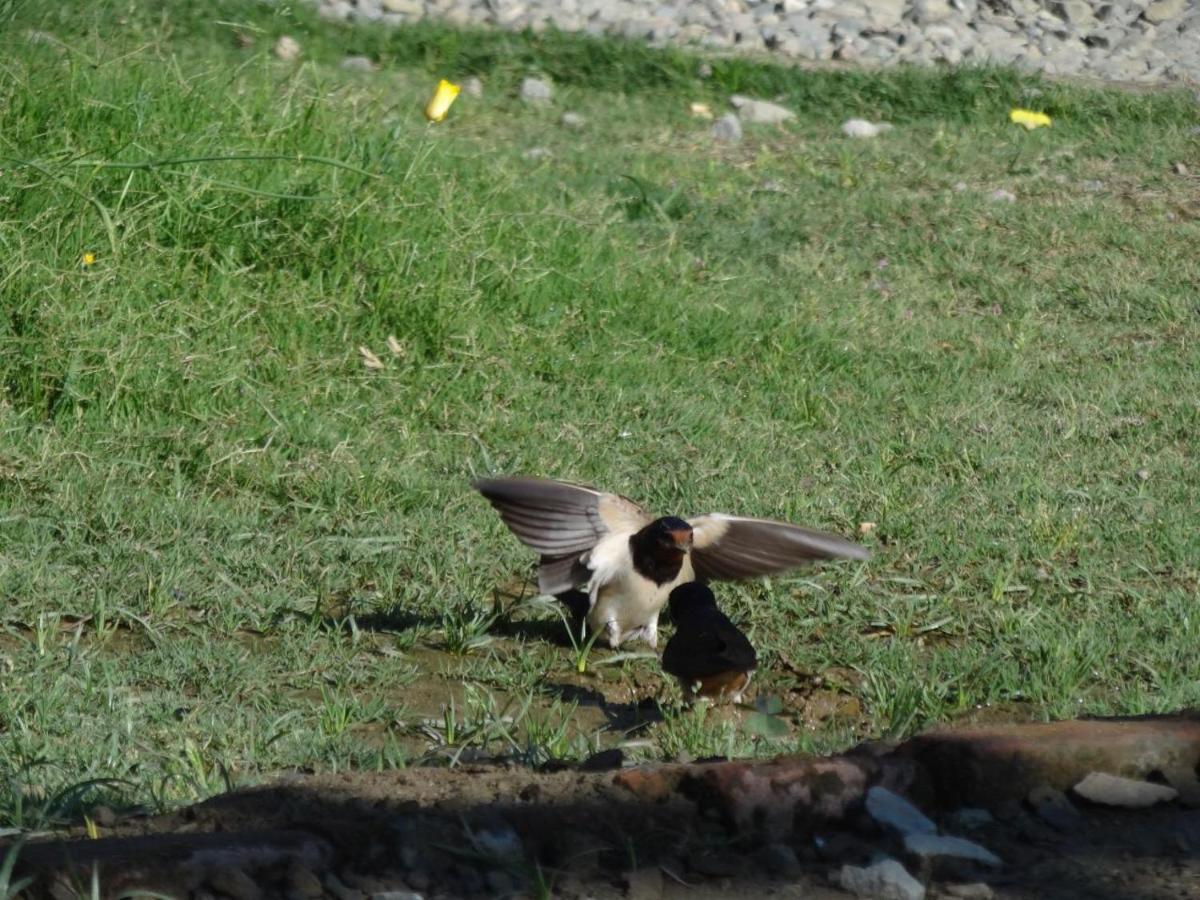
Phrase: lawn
{"type": "Point", "coordinates": [237, 534]}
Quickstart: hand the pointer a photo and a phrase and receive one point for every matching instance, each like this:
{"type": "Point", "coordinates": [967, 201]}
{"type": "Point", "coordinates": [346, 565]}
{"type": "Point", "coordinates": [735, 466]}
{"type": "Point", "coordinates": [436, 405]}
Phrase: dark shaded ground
{"type": "Point", "coordinates": [779, 828]}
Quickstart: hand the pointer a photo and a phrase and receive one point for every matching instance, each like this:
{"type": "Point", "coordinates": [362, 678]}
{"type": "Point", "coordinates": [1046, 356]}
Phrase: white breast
{"type": "Point", "coordinates": [621, 596]}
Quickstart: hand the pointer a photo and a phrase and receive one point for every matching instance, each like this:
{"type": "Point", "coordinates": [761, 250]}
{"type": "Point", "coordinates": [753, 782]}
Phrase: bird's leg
{"type": "Point", "coordinates": [650, 632]}
{"type": "Point", "coordinates": [612, 632]}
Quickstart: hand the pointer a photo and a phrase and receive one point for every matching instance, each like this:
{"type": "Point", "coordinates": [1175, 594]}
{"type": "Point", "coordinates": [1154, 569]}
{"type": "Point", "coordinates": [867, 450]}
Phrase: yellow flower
{"type": "Point", "coordinates": [1029, 118]}
{"type": "Point", "coordinates": [89, 259]}
{"type": "Point", "coordinates": [439, 103]}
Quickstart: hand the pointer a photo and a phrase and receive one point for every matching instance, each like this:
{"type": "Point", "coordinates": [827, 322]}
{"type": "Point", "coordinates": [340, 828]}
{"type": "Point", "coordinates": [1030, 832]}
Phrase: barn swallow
{"type": "Point", "coordinates": [628, 562]}
{"type": "Point", "coordinates": [709, 655]}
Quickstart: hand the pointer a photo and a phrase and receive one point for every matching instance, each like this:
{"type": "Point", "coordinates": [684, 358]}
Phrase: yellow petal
{"type": "Point", "coordinates": [439, 103]}
{"type": "Point", "coordinates": [701, 110]}
{"type": "Point", "coordinates": [1029, 118]}
{"type": "Point", "coordinates": [89, 258]}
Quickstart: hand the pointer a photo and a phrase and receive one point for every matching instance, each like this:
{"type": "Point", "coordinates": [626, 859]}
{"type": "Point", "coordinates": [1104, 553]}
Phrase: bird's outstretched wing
{"type": "Point", "coordinates": [726, 548]}
{"type": "Point", "coordinates": [561, 521]}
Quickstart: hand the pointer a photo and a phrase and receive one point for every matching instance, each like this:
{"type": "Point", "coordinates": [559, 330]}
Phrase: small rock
{"type": "Point", "coordinates": [704, 71]}
{"type": "Point", "coordinates": [770, 186]}
{"type": "Point", "coordinates": [644, 884]}
{"type": "Point", "coordinates": [1143, 474]}
{"type": "Point", "coordinates": [604, 760]}
{"type": "Point", "coordinates": [1053, 808]}
{"type": "Point", "coordinates": [405, 7]}
{"type": "Point", "coordinates": [535, 90]}
{"type": "Point", "coordinates": [473, 87]}
{"type": "Point", "coordinates": [760, 112]}
{"type": "Point", "coordinates": [893, 811]}
{"type": "Point", "coordinates": [781, 860]}
{"type": "Point", "coordinates": [499, 841]}
{"type": "Point", "coordinates": [960, 187]}
{"type": "Point", "coordinates": [728, 129]}
{"type": "Point", "coordinates": [1093, 186]}
{"type": "Point", "coordinates": [884, 879]}
{"type": "Point", "coordinates": [419, 880]}
{"type": "Point", "coordinates": [234, 883]}
{"type": "Point", "coordinates": [573, 120]}
{"type": "Point", "coordinates": [536, 153]}
{"type": "Point", "coordinates": [1000, 195]}
{"type": "Point", "coordinates": [974, 890]}
{"type": "Point", "coordinates": [357, 64]}
{"type": "Point", "coordinates": [714, 865]}
{"type": "Point", "coordinates": [303, 883]}
{"type": "Point", "coordinates": [929, 12]}
{"type": "Point", "coordinates": [287, 48]}
{"type": "Point", "coordinates": [339, 889]}
{"type": "Point", "coordinates": [499, 883]}
{"type": "Point", "coordinates": [971, 818]}
{"type": "Point", "coordinates": [103, 816]}
{"type": "Point", "coordinates": [927, 845]}
{"type": "Point", "coordinates": [1112, 790]}
{"type": "Point", "coordinates": [861, 128]}
{"type": "Point", "coordinates": [396, 895]}
{"type": "Point", "coordinates": [1179, 168]}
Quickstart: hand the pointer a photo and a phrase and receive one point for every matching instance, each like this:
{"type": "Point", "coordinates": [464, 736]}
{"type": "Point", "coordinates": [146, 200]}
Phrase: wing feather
{"type": "Point", "coordinates": [733, 547]}
{"type": "Point", "coordinates": [558, 519]}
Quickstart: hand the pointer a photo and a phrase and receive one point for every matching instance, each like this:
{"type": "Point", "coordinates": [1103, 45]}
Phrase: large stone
{"type": "Point", "coordinates": [1053, 807]}
{"type": "Point", "coordinates": [884, 879]}
{"type": "Point", "coordinates": [535, 90]}
{"type": "Point", "coordinates": [931, 845]}
{"type": "Point", "coordinates": [893, 811]}
{"type": "Point", "coordinates": [930, 12]}
{"type": "Point", "coordinates": [885, 14]}
{"type": "Point", "coordinates": [1077, 12]}
{"type": "Point", "coordinates": [1112, 790]}
{"type": "Point", "coordinates": [807, 39]}
{"type": "Point", "coordinates": [727, 129]}
{"type": "Point", "coordinates": [760, 112]}
{"type": "Point", "coordinates": [1162, 10]}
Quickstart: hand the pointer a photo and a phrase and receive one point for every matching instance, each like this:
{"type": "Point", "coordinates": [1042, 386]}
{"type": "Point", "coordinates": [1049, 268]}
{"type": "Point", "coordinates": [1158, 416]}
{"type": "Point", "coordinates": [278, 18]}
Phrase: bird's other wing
{"type": "Point", "coordinates": [726, 548]}
{"type": "Point", "coordinates": [558, 519]}
{"type": "Point", "coordinates": [559, 574]}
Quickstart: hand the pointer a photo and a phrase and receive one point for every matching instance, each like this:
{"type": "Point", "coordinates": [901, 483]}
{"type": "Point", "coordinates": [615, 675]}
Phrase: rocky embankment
{"type": "Point", "coordinates": [1124, 40]}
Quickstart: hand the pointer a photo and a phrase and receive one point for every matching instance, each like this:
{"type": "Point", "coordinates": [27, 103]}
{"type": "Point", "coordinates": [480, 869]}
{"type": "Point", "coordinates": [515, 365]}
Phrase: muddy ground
{"type": "Point", "coordinates": [708, 829]}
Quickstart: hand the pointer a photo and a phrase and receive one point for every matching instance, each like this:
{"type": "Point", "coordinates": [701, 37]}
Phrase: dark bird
{"type": "Point", "coordinates": [709, 655]}
{"type": "Point", "coordinates": [628, 562]}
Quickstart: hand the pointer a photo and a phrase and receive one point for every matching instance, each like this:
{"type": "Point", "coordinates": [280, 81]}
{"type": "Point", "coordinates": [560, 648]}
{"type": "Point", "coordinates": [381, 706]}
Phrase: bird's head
{"type": "Point", "coordinates": [671, 534]}
{"type": "Point", "coordinates": [690, 598]}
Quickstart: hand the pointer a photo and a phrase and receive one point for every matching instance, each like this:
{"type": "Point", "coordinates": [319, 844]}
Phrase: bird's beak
{"type": "Point", "coordinates": [683, 540]}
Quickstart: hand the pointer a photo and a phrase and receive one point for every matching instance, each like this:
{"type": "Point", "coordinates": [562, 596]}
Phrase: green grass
{"type": "Point", "coordinates": [229, 547]}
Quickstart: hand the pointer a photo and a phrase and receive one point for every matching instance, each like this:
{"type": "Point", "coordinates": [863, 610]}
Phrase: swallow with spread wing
{"type": "Point", "coordinates": [708, 654]}
{"type": "Point", "coordinates": [628, 562]}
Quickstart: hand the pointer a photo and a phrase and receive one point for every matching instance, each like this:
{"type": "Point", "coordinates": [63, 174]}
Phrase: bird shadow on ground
{"type": "Point", "coordinates": [389, 621]}
{"type": "Point", "coordinates": [628, 718]}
